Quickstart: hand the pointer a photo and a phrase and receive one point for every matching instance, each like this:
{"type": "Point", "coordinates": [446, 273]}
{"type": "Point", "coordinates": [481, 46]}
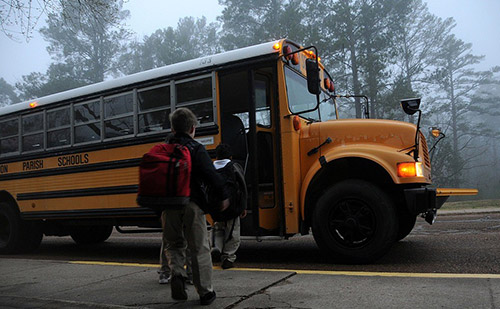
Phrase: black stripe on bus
{"type": "Point", "coordinates": [73, 169]}
{"type": "Point", "coordinates": [89, 213]}
{"type": "Point", "coordinates": [77, 193]}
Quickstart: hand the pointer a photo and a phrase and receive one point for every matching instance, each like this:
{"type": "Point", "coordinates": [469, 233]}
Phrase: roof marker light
{"type": "Point", "coordinates": [277, 46]}
{"type": "Point", "coordinates": [33, 104]}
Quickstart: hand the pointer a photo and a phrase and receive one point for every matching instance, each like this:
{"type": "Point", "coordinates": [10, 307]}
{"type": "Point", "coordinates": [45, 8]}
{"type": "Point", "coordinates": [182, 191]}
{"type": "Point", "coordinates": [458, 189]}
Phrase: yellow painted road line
{"type": "Point", "coordinates": [113, 264]}
{"type": "Point", "coordinates": [320, 272]}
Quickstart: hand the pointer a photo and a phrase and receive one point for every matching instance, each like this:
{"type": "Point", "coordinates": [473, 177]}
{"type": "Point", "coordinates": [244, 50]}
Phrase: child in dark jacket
{"type": "Point", "coordinates": [226, 234]}
{"type": "Point", "coordinates": [186, 226]}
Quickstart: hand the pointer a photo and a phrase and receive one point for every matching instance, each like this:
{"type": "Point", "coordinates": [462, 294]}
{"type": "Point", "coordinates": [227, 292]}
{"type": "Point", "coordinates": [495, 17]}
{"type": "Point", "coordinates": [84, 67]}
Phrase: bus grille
{"type": "Point", "coordinates": [424, 150]}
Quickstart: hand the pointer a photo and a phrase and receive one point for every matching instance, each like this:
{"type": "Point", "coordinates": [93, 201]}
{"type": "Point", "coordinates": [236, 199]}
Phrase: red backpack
{"type": "Point", "coordinates": [164, 177]}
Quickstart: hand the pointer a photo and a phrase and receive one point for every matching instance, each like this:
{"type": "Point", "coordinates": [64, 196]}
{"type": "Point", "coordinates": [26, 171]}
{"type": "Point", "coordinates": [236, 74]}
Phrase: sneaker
{"type": "Point", "coordinates": [178, 287]}
{"type": "Point", "coordinates": [227, 264]}
{"type": "Point", "coordinates": [216, 254]}
{"type": "Point", "coordinates": [208, 298]}
{"type": "Point", "coordinates": [164, 278]}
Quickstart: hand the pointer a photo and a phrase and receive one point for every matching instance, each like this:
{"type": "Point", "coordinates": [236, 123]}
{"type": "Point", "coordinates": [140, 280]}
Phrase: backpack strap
{"type": "Point", "coordinates": [240, 179]}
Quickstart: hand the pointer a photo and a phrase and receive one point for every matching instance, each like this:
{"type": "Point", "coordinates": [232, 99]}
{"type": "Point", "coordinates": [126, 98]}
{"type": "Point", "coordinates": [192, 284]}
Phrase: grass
{"type": "Point", "coordinates": [471, 204]}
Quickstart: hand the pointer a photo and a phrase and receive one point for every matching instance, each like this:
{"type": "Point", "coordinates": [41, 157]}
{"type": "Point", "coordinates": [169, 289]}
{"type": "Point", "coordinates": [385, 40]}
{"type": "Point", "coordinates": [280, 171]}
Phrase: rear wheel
{"type": "Point", "coordinates": [91, 234]}
{"type": "Point", "coordinates": [17, 235]}
{"type": "Point", "coordinates": [355, 222]}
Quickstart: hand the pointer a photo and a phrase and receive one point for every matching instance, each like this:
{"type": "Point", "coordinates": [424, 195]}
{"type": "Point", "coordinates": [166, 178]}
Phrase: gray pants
{"type": "Point", "coordinates": [187, 228]}
{"type": "Point", "coordinates": [223, 240]}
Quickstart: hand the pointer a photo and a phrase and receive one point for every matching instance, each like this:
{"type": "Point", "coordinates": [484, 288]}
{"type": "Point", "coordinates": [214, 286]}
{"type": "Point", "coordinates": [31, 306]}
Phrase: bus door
{"type": "Point", "coordinates": [252, 137]}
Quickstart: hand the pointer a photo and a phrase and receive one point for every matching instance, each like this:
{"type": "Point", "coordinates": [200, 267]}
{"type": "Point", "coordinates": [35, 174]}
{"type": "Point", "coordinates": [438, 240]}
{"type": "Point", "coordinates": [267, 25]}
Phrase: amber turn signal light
{"type": "Point", "coordinates": [410, 169]}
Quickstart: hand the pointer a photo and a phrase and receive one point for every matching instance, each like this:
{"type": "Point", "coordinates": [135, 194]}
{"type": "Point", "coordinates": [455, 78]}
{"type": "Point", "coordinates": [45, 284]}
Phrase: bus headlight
{"type": "Point", "coordinates": [410, 169]}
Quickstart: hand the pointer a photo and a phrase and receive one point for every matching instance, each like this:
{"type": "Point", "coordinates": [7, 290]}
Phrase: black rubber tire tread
{"type": "Point", "coordinates": [17, 235]}
{"type": "Point", "coordinates": [10, 229]}
{"type": "Point", "coordinates": [406, 224]}
{"type": "Point", "coordinates": [85, 235]}
{"type": "Point", "coordinates": [373, 206]}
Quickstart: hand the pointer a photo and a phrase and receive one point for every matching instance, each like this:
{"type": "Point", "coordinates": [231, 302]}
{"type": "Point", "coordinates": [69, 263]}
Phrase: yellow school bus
{"type": "Point", "coordinates": [69, 161]}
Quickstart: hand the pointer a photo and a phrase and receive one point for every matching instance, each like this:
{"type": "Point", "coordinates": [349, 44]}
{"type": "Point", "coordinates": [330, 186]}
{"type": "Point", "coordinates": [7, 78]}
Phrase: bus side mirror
{"type": "Point", "coordinates": [410, 106]}
{"type": "Point", "coordinates": [312, 71]}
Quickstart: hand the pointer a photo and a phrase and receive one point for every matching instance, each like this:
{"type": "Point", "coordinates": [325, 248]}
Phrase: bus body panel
{"type": "Point", "coordinates": [382, 144]}
{"type": "Point", "coordinates": [101, 179]}
{"type": "Point", "coordinates": [290, 160]}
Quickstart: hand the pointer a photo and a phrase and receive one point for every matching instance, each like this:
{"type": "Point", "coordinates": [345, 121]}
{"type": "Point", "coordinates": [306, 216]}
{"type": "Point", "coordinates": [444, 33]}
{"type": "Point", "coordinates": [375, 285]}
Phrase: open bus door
{"type": "Point", "coordinates": [249, 127]}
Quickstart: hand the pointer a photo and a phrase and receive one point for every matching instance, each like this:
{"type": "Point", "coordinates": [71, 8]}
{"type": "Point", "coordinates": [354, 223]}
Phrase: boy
{"type": "Point", "coordinates": [226, 234]}
{"type": "Point", "coordinates": [187, 224]}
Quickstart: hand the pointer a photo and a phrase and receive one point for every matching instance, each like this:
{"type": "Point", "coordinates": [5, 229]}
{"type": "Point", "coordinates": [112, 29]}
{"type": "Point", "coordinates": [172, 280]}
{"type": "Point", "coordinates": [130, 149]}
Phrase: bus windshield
{"type": "Point", "coordinates": [300, 99]}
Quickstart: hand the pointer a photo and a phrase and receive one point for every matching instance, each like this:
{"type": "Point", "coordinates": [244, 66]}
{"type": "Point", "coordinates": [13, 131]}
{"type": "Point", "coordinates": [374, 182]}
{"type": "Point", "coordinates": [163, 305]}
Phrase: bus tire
{"type": "Point", "coordinates": [17, 235]}
{"type": "Point", "coordinates": [85, 235]}
{"type": "Point", "coordinates": [355, 222]}
{"type": "Point", "coordinates": [406, 224]}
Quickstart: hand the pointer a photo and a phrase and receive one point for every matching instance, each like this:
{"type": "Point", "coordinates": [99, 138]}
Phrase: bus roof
{"type": "Point", "coordinates": [190, 65]}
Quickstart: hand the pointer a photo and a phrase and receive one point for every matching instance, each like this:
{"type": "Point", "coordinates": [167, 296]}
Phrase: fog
{"type": "Point", "coordinates": [477, 23]}
{"type": "Point", "coordinates": [472, 148]}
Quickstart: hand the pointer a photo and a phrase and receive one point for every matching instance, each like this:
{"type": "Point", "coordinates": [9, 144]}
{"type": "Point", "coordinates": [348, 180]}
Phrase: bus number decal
{"type": "Point", "coordinates": [4, 169]}
{"type": "Point", "coordinates": [73, 160]}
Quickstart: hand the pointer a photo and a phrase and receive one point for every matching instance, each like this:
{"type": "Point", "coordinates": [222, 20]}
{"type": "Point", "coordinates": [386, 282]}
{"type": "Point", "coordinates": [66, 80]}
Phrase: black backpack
{"type": "Point", "coordinates": [234, 183]}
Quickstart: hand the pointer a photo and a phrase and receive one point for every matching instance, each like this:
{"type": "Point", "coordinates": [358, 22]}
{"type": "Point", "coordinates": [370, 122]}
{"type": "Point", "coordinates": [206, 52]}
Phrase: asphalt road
{"type": "Point", "coordinates": [454, 244]}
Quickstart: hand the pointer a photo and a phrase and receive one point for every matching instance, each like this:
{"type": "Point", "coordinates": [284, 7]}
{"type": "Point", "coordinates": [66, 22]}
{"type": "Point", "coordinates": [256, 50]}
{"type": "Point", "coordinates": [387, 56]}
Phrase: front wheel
{"type": "Point", "coordinates": [406, 224]}
{"type": "Point", "coordinates": [355, 222]}
{"type": "Point", "coordinates": [85, 235]}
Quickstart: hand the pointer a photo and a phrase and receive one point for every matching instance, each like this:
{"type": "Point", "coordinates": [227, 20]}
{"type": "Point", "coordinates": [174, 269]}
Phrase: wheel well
{"type": "Point", "coordinates": [7, 198]}
{"type": "Point", "coordinates": [347, 168]}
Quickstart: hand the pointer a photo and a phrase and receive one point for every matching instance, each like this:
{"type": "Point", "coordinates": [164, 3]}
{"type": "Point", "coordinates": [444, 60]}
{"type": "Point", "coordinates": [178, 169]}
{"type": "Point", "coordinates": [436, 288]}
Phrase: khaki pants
{"type": "Point", "coordinates": [223, 240]}
{"type": "Point", "coordinates": [187, 227]}
{"type": "Point", "coordinates": [164, 259]}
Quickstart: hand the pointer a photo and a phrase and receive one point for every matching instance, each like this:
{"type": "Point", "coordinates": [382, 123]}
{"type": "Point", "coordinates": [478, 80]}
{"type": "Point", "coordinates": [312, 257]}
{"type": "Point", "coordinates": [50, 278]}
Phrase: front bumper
{"type": "Point", "coordinates": [422, 200]}
{"type": "Point", "coordinates": [427, 201]}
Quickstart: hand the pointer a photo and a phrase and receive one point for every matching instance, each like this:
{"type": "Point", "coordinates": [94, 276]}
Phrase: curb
{"type": "Point", "coordinates": [470, 211]}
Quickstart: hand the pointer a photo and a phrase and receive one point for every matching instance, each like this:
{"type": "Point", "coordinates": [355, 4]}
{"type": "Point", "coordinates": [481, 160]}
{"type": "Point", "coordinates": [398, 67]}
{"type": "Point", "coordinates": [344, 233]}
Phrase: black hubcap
{"type": "Point", "coordinates": [352, 223]}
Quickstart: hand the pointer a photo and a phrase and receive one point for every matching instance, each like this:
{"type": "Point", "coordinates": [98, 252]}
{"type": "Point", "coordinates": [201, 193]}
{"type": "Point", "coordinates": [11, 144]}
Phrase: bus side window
{"type": "Point", "coordinates": [118, 115]}
{"type": "Point", "coordinates": [58, 127]}
{"type": "Point", "coordinates": [154, 108]}
{"type": "Point", "coordinates": [9, 136]}
{"type": "Point", "coordinates": [262, 105]}
{"type": "Point", "coordinates": [32, 132]}
{"type": "Point", "coordinates": [196, 95]}
{"type": "Point", "coordinates": [87, 122]}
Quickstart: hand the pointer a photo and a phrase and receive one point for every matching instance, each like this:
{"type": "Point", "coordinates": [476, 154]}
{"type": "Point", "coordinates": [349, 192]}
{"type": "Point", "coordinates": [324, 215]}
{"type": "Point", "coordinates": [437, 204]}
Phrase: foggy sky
{"type": "Point", "coordinates": [478, 22]}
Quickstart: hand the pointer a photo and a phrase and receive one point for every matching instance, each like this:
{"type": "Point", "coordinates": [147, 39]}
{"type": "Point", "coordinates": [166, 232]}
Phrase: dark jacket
{"type": "Point", "coordinates": [202, 172]}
